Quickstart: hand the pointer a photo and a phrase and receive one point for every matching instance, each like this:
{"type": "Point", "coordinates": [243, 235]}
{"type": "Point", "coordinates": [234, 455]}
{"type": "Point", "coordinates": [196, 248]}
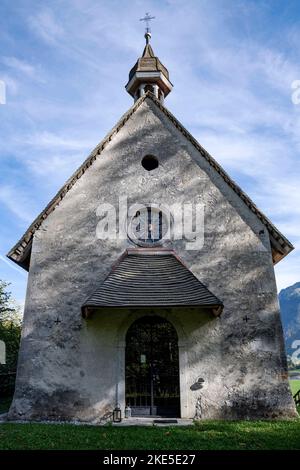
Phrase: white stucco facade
{"type": "Point", "coordinates": [74, 368]}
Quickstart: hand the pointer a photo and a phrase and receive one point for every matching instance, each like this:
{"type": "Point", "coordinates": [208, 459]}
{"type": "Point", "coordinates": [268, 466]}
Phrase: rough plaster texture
{"type": "Point", "coordinates": [75, 369]}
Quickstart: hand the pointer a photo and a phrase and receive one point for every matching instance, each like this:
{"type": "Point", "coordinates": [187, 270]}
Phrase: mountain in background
{"type": "Point", "coordinates": [289, 300]}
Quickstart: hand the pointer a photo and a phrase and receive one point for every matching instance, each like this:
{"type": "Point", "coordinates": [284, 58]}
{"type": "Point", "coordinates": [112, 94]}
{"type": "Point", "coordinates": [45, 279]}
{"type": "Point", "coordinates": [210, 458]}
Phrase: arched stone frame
{"type": "Point", "coordinates": [130, 317]}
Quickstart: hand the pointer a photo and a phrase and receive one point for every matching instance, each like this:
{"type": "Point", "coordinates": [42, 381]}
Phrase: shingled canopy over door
{"type": "Point", "coordinates": [151, 278]}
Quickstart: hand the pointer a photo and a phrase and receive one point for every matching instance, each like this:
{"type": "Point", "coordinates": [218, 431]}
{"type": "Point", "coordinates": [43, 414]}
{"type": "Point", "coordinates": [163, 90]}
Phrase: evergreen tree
{"type": "Point", "coordinates": [10, 332]}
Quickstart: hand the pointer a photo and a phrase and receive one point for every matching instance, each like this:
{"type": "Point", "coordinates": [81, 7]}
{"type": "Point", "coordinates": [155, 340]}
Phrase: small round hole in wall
{"type": "Point", "coordinates": [150, 162]}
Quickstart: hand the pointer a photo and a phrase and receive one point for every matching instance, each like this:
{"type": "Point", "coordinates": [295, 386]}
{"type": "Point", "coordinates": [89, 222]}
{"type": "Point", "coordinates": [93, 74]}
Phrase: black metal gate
{"type": "Point", "coordinates": [152, 368]}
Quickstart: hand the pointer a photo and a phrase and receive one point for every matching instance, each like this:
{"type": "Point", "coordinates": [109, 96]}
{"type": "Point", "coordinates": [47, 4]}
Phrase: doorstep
{"type": "Point", "coordinates": [155, 421]}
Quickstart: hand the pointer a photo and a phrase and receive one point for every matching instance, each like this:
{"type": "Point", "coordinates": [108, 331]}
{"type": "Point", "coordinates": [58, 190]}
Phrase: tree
{"type": "Point", "coordinates": [10, 332]}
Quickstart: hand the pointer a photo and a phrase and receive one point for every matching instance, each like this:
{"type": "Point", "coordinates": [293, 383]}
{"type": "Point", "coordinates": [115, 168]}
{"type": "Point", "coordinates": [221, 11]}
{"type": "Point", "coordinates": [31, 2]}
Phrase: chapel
{"type": "Point", "coordinates": [151, 282]}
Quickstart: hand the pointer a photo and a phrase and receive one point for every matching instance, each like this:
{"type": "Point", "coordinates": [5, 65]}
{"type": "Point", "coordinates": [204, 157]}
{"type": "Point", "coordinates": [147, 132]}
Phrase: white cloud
{"type": "Point", "coordinates": [287, 271]}
{"type": "Point", "coordinates": [22, 68]}
{"type": "Point", "coordinates": [51, 141]}
{"type": "Point", "coordinates": [13, 266]}
{"type": "Point", "coordinates": [19, 65]}
{"type": "Point", "coordinates": [51, 166]}
{"type": "Point", "coordinates": [16, 201]}
{"type": "Point", "coordinates": [45, 25]}
{"type": "Point", "coordinates": [11, 86]}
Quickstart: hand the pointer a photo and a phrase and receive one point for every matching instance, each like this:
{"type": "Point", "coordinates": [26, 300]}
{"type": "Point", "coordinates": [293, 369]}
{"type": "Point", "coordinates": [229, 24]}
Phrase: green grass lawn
{"type": "Point", "coordinates": [205, 435]}
{"type": "Point", "coordinates": [295, 386]}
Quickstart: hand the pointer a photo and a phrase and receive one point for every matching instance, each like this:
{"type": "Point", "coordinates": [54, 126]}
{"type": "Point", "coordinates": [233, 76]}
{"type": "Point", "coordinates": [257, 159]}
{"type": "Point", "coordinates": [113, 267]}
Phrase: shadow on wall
{"type": "Point", "coordinates": [221, 271]}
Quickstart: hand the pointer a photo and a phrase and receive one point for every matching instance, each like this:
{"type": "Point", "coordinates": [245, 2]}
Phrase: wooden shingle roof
{"type": "Point", "coordinates": [148, 62]}
{"type": "Point", "coordinates": [151, 278]}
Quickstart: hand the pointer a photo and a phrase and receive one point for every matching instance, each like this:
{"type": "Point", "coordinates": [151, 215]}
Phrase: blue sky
{"type": "Point", "coordinates": [65, 64]}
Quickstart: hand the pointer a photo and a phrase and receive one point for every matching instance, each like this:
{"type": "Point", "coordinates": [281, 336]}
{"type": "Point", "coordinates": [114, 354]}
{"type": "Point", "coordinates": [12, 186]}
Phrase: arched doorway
{"type": "Point", "coordinates": [152, 368]}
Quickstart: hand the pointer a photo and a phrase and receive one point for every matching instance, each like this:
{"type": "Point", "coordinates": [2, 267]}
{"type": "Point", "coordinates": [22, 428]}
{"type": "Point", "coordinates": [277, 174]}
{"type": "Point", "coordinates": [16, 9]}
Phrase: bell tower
{"type": "Point", "coordinates": [148, 74]}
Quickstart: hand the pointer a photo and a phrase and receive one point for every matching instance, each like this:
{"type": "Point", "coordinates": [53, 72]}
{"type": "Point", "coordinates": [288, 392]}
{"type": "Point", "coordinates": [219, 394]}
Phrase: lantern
{"type": "Point", "coordinates": [117, 414]}
{"type": "Point", "coordinates": [127, 412]}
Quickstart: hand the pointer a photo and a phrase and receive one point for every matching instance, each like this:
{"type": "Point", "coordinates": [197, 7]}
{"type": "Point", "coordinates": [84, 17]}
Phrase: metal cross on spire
{"type": "Point", "coordinates": [147, 18]}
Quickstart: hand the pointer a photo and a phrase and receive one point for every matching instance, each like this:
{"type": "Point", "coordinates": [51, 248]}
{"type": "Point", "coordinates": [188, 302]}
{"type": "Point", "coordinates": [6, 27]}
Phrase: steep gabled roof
{"type": "Point", "coordinates": [20, 253]}
{"type": "Point", "coordinates": [151, 278]}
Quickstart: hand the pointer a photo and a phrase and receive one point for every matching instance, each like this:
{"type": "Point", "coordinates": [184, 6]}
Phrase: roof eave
{"type": "Point", "coordinates": [17, 252]}
{"type": "Point", "coordinates": [87, 311]}
{"type": "Point", "coordinates": [281, 246]}
{"type": "Point", "coordinates": [21, 258]}
{"type": "Point", "coordinates": [148, 75]}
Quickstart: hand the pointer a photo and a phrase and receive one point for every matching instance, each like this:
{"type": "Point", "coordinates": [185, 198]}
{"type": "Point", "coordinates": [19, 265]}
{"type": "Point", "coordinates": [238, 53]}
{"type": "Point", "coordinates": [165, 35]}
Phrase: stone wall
{"type": "Point", "coordinates": [71, 368]}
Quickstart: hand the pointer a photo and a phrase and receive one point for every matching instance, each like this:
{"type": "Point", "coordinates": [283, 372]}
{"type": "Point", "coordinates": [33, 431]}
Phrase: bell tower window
{"type": "Point", "coordinates": [149, 88]}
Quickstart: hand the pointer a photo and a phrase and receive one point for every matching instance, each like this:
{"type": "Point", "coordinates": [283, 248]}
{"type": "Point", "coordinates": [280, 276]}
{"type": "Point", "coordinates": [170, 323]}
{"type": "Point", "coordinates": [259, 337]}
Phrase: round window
{"type": "Point", "coordinates": [150, 162]}
{"type": "Point", "coordinates": [149, 226]}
